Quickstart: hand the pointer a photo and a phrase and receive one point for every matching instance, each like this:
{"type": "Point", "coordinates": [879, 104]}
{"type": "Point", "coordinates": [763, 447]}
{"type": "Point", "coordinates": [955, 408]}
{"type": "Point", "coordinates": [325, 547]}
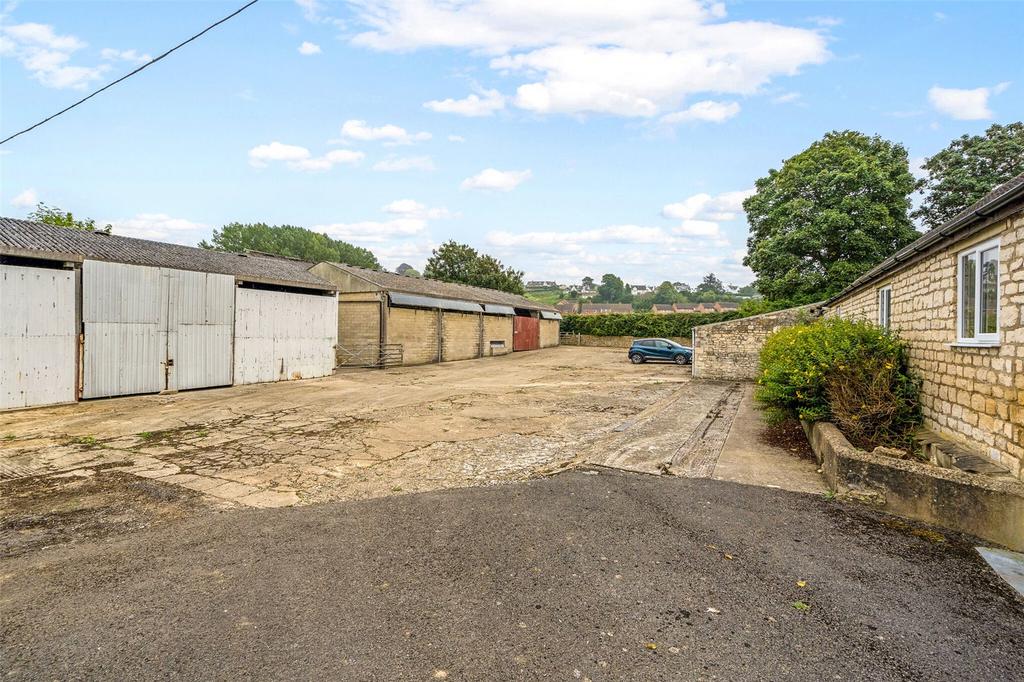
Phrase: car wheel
{"type": "Point", "coordinates": [681, 359]}
{"type": "Point", "coordinates": [636, 359]}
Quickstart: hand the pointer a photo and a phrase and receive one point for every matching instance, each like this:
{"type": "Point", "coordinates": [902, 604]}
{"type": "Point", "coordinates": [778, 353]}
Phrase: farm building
{"type": "Point", "coordinates": [382, 315]}
{"type": "Point", "coordinates": [87, 315]}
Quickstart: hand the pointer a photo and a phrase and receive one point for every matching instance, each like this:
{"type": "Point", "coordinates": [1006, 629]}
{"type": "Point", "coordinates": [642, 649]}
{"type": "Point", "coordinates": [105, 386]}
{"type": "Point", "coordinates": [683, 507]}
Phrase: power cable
{"type": "Point", "coordinates": [129, 75]}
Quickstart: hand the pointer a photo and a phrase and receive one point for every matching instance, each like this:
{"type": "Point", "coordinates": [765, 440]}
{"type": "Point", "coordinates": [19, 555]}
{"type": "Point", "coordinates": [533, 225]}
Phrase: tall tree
{"type": "Point", "coordinates": [666, 293]}
{"type": "Point", "coordinates": [288, 240]}
{"type": "Point", "coordinates": [968, 169]}
{"type": "Point", "coordinates": [51, 215]}
{"type": "Point", "coordinates": [454, 262]}
{"type": "Point", "coordinates": [829, 214]}
{"type": "Point", "coordinates": [711, 285]}
{"type": "Point", "coordinates": [588, 282]}
{"type": "Point", "coordinates": [611, 289]}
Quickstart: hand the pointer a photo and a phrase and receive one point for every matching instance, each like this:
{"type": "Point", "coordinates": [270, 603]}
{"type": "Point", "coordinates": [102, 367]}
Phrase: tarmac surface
{"type": "Point", "coordinates": [583, 575]}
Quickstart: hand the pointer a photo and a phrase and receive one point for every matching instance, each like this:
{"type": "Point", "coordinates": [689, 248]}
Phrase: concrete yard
{"type": "Point", "coordinates": [107, 466]}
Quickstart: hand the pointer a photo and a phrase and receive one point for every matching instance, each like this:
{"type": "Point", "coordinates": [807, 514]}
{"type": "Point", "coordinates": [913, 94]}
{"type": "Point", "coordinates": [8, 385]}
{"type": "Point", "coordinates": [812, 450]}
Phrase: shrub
{"type": "Point", "coordinates": [855, 373]}
{"type": "Point", "coordinates": [641, 324]}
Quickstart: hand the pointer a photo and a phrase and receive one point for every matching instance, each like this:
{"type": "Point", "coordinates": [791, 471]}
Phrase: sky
{"type": "Point", "coordinates": [567, 138]}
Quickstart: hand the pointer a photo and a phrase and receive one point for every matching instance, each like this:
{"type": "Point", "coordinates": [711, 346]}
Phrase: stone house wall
{"type": "Point", "coordinates": [973, 395]}
{"type": "Point", "coordinates": [732, 349]}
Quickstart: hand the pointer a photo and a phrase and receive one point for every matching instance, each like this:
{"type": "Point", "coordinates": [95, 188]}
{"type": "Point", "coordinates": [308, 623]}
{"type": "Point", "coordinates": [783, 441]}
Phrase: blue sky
{"type": "Point", "coordinates": [566, 138]}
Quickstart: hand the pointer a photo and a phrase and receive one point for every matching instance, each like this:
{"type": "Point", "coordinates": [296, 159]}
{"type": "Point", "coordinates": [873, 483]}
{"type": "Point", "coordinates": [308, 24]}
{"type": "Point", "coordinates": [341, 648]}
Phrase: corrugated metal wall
{"type": "Point", "coordinates": [37, 336]}
{"type": "Point", "coordinates": [281, 335]}
{"type": "Point", "coordinates": [138, 318]}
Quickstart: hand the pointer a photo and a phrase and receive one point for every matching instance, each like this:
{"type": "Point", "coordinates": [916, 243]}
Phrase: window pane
{"type": "Point", "coordinates": [989, 290]}
{"type": "Point", "coordinates": [968, 280]}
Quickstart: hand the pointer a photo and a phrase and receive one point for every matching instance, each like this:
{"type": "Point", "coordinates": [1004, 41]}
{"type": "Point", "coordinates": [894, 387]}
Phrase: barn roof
{"type": "Point", "coordinates": [390, 281]}
{"type": "Point", "coordinates": [40, 240]}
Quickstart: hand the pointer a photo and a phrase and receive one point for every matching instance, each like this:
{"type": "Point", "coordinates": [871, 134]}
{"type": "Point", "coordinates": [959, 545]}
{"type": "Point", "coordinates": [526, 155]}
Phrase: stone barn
{"type": "Point", "coordinates": [387, 319]}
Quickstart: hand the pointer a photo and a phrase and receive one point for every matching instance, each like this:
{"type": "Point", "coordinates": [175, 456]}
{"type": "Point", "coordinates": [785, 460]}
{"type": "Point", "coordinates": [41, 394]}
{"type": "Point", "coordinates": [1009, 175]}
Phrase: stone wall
{"type": "Point", "coordinates": [972, 395]}
{"type": "Point", "coordinates": [983, 506]}
{"type": "Point", "coordinates": [358, 327]}
{"type": "Point", "coordinates": [416, 330]}
{"type": "Point", "coordinates": [614, 341]}
{"type": "Point", "coordinates": [549, 333]}
{"type": "Point", "coordinates": [497, 328]}
{"type": "Point", "coordinates": [732, 349]}
{"type": "Point", "coordinates": [460, 335]}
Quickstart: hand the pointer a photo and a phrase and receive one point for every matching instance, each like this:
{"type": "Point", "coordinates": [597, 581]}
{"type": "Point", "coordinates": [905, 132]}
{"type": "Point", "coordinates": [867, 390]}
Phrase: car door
{"type": "Point", "coordinates": [662, 349]}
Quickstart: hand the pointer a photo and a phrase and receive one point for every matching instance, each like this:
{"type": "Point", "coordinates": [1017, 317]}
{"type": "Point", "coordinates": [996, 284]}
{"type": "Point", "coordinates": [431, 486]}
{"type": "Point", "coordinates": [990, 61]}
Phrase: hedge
{"type": "Point", "coordinates": [642, 324]}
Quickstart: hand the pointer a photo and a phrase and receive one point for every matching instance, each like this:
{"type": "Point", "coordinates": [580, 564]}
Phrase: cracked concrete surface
{"type": "Point", "coordinates": [359, 434]}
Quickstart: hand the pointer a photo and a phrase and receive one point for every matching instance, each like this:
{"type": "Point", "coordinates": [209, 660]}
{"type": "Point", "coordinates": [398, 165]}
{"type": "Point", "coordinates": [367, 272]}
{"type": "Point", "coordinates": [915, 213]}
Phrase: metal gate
{"type": "Point", "coordinates": [525, 333]}
{"type": "Point", "coordinates": [38, 340]}
{"type": "Point", "coordinates": [153, 329]}
{"type": "Point", "coordinates": [283, 335]}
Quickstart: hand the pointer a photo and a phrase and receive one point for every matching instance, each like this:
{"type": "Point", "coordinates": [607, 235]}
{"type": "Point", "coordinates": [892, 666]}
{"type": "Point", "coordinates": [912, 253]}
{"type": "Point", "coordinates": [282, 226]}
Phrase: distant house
{"type": "Point", "coordinates": [956, 297]}
{"type": "Point", "coordinates": [663, 308]}
{"type": "Point", "coordinates": [726, 306]}
{"type": "Point", "coordinates": [640, 289]}
{"type": "Point", "coordinates": [541, 284]}
{"type": "Point", "coordinates": [568, 307]}
{"type": "Point", "coordinates": [605, 308]}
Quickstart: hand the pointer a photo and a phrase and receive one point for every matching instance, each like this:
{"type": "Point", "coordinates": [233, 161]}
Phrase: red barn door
{"type": "Point", "coordinates": [525, 333]}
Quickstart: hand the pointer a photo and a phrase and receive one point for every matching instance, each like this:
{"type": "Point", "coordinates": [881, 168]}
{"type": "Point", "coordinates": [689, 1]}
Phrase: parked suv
{"type": "Point", "coordinates": [643, 350]}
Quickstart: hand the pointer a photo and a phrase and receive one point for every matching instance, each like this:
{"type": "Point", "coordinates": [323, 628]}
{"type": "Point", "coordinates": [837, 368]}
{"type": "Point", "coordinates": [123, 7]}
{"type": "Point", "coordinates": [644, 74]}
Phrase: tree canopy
{"type": "Point", "coordinates": [51, 215]}
{"type": "Point", "coordinates": [288, 240]}
{"type": "Point", "coordinates": [454, 262]}
{"type": "Point", "coordinates": [828, 215]}
{"type": "Point", "coordinates": [710, 285]}
{"type": "Point", "coordinates": [968, 169]}
{"type": "Point", "coordinates": [612, 290]}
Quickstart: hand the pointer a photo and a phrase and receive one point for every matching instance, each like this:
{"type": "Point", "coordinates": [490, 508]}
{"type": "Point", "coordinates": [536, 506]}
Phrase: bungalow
{"type": "Point", "coordinates": [605, 308]}
{"type": "Point", "coordinates": [955, 296]}
{"type": "Point", "coordinates": [663, 308]}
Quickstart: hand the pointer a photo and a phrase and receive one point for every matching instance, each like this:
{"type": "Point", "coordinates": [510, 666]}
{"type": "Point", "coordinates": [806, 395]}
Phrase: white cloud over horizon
{"type": "Point", "coordinates": [159, 227]}
{"type": "Point", "coordinates": [578, 56]}
{"type": "Point", "coordinates": [707, 110]}
{"type": "Point", "coordinates": [483, 104]}
{"type": "Point", "coordinates": [965, 104]}
{"type": "Point", "coordinates": [27, 198]}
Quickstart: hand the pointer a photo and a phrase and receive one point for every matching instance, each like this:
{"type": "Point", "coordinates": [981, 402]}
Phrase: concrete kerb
{"type": "Point", "coordinates": [986, 507]}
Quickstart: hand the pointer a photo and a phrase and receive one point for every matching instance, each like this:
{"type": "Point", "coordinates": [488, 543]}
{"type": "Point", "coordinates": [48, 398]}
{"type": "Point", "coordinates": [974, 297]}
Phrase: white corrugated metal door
{"type": "Point", "coordinates": [150, 329]}
{"type": "Point", "coordinates": [283, 335]}
{"type": "Point", "coordinates": [37, 336]}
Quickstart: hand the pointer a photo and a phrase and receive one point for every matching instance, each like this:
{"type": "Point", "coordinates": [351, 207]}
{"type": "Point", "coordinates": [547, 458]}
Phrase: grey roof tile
{"type": "Point", "coordinates": [24, 237]}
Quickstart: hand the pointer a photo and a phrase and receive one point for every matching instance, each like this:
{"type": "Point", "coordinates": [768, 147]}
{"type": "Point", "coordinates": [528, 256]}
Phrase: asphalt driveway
{"type": "Point", "coordinates": [579, 576]}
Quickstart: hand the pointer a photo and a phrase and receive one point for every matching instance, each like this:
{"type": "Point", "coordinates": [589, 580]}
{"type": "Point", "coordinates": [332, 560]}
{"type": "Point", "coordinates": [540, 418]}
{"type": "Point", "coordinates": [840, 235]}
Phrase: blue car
{"type": "Point", "coordinates": [643, 350]}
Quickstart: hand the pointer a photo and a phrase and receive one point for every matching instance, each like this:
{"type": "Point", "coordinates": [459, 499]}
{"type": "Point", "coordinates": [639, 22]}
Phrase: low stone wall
{"type": "Point", "coordinates": [986, 507]}
{"type": "Point", "coordinates": [612, 341]}
{"type": "Point", "coordinates": [732, 349]}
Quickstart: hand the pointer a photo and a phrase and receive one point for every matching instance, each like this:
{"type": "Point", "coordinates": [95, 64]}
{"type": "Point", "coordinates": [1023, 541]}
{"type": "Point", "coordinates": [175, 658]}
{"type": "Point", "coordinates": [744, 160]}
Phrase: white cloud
{"type": "Point", "coordinates": [496, 180]}
{"type": "Point", "coordinates": [826, 22]}
{"type": "Point", "coordinates": [410, 208]}
{"type": "Point", "coordinates": [786, 98]}
{"type": "Point", "coordinates": [158, 226]}
{"type": "Point", "coordinates": [25, 199]}
{"type": "Point", "coordinates": [473, 105]}
{"type": "Point", "coordinates": [300, 158]}
{"type": "Point", "coordinates": [307, 48]}
{"type": "Point", "coordinates": [388, 134]}
{"type": "Point", "coordinates": [724, 206]}
{"type": "Point", "coordinates": [131, 56]}
{"type": "Point", "coordinates": [708, 110]}
{"type": "Point", "coordinates": [405, 163]}
{"type": "Point", "coordinates": [45, 55]}
{"type": "Point", "coordinates": [578, 56]}
{"type": "Point", "coordinates": [456, 138]}
{"type": "Point", "coordinates": [374, 231]}
{"type": "Point", "coordinates": [964, 105]}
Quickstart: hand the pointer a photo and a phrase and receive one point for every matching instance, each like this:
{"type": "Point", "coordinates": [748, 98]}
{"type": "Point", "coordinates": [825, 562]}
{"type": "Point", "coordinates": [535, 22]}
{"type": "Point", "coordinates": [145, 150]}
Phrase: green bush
{"type": "Point", "coordinates": [854, 373]}
{"type": "Point", "coordinates": [641, 324]}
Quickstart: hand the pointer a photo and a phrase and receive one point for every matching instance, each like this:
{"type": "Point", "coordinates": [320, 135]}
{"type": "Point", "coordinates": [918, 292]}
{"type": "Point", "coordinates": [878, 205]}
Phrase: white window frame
{"type": "Point", "coordinates": [884, 298]}
{"type": "Point", "coordinates": [978, 339]}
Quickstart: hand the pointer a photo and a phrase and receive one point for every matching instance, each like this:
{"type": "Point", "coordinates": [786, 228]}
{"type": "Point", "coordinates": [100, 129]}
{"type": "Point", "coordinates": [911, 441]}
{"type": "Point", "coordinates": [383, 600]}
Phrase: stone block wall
{"type": "Point", "coordinates": [358, 327]}
{"type": "Point", "coordinates": [549, 333]}
{"type": "Point", "coordinates": [416, 330]}
{"type": "Point", "coordinates": [460, 336]}
{"type": "Point", "coordinates": [497, 328]}
{"type": "Point", "coordinates": [732, 349]}
{"type": "Point", "coordinates": [969, 394]}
